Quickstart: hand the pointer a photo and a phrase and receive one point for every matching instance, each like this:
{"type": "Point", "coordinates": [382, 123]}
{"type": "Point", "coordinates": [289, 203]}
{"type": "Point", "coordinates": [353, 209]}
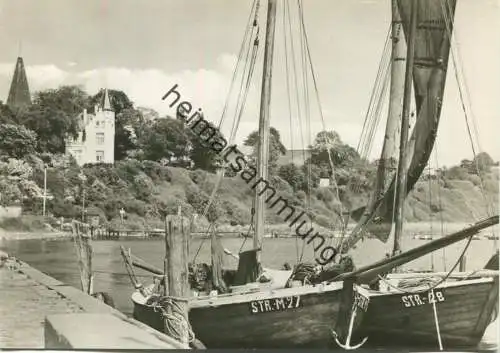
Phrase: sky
{"type": "Point", "coordinates": [145, 47]}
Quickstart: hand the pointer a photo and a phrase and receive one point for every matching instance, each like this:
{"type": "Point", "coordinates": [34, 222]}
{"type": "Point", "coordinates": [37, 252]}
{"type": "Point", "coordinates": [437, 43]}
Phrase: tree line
{"type": "Point", "coordinates": [142, 135]}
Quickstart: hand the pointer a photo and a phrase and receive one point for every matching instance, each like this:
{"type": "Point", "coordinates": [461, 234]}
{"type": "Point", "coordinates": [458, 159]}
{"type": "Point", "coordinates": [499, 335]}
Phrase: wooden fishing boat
{"type": "Point", "coordinates": [448, 312]}
{"type": "Point", "coordinates": [291, 317]}
{"type": "Point", "coordinates": [270, 315]}
{"type": "Point", "coordinates": [463, 311]}
{"type": "Point", "coordinates": [252, 314]}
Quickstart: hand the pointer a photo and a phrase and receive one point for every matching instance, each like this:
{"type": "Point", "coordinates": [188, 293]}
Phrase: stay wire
{"type": "Point", "coordinates": [446, 8]}
{"type": "Point", "coordinates": [316, 90]}
{"type": "Point", "coordinates": [240, 55]}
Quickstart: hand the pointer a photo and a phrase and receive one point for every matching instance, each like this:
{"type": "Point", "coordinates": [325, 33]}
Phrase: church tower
{"type": "Point", "coordinates": [19, 93]}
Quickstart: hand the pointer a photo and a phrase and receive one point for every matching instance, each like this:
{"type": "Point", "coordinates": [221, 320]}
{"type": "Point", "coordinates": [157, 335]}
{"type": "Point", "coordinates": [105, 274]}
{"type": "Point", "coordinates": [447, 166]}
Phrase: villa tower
{"type": "Point", "coordinates": [96, 140]}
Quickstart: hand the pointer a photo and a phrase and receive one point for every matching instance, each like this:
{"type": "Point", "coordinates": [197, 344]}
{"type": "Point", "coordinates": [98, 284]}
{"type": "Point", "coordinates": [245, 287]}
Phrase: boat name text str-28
{"type": "Point", "coordinates": [412, 300]}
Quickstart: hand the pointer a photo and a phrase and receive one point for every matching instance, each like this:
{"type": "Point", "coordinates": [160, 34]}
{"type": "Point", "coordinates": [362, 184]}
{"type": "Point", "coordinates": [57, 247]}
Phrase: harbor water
{"type": "Point", "coordinates": [58, 259]}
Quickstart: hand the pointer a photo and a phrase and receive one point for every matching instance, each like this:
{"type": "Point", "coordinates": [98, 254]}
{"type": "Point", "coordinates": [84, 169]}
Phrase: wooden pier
{"type": "Point", "coordinates": [116, 234]}
{"type": "Point", "coordinates": [38, 311]}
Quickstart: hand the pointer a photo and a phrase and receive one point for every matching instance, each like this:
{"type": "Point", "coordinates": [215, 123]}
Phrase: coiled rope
{"type": "Point", "coordinates": [432, 287]}
{"type": "Point", "coordinates": [176, 325]}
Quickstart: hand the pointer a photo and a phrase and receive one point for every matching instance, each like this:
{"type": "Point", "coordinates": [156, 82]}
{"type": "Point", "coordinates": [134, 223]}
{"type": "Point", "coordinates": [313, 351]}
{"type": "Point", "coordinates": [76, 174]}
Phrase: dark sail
{"type": "Point", "coordinates": [432, 49]}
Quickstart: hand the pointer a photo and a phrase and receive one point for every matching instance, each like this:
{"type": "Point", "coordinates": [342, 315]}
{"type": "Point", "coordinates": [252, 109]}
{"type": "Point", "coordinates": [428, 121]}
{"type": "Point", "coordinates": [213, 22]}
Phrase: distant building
{"type": "Point", "coordinates": [96, 140]}
{"type": "Point", "coordinates": [324, 182]}
{"type": "Point", "coordinates": [19, 92]}
{"type": "Point", "coordinates": [297, 157]}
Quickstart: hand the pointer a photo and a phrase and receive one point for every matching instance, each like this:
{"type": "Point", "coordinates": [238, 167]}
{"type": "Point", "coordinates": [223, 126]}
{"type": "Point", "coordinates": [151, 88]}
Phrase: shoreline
{"type": "Point", "coordinates": [414, 228]}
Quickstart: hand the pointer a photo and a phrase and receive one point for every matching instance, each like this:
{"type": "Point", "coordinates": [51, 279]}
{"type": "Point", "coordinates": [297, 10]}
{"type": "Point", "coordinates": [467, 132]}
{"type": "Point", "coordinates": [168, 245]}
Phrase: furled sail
{"type": "Point", "coordinates": [432, 48]}
{"type": "Point", "coordinates": [387, 163]}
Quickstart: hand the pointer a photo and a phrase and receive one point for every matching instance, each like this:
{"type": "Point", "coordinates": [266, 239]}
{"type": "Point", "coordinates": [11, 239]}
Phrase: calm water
{"type": "Point", "coordinates": [58, 259]}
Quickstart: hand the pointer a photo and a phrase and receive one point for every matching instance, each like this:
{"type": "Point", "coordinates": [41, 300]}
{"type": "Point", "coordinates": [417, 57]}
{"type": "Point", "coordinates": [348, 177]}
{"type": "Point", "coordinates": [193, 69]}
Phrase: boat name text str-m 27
{"type": "Point", "coordinates": [275, 304]}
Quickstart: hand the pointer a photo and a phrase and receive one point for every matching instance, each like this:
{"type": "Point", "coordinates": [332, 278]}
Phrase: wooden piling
{"type": "Point", "coordinates": [176, 268]}
{"type": "Point", "coordinates": [83, 248]}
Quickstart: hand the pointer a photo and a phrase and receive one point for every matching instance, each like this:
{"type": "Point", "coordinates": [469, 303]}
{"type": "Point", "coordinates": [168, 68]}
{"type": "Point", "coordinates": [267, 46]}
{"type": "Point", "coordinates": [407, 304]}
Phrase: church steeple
{"type": "Point", "coordinates": [19, 93]}
{"type": "Point", "coordinates": [106, 102]}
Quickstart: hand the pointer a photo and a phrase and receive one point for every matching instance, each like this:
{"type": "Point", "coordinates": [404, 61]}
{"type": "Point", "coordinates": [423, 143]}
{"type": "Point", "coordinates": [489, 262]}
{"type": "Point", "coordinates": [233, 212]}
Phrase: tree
{"type": "Point", "coordinates": [7, 116]}
{"type": "Point", "coordinates": [342, 155]}
{"type": "Point", "coordinates": [312, 174]}
{"type": "Point", "coordinates": [203, 157]}
{"type": "Point", "coordinates": [17, 141]}
{"type": "Point", "coordinates": [128, 127]}
{"type": "Point", "coordinates": [483, 162]}
{"type": "Point", "coordinates": [53, 116]}
{"type": "Point", "coordinates": [202, 153]}
{"type": "Point", "coordinates": [164, 138]}
{"type": "Point", "coordinates": [292, 175]}
{"type": "Point", "coordinates": [118, 99]}
{"type": "Point", "coordinates": [276, 148]}
{"type": "Point", "coordinates": [457, 173]}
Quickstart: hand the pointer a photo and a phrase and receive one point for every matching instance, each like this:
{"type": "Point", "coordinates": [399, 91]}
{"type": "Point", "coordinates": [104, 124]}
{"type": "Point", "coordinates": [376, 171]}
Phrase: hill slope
{"type": "Point", "coordinates": [148, 191]}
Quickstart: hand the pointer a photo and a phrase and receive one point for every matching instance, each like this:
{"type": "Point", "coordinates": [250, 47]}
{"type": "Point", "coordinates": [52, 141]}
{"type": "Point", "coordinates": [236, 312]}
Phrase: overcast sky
{"type": "Point", "coordinates": [145, 47]}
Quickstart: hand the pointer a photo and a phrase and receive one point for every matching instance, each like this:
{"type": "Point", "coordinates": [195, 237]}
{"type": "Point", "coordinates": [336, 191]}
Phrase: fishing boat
{"type": "Point", "coordinates": [252, 313]}
{"type": "Point", "coordinates": [278, 312]}
{"type": "Point", "coordinates": [437, 309]}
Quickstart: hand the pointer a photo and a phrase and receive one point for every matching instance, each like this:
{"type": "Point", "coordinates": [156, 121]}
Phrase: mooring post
{"type": "Point", "coordinates": [83, 247]}
{"type": "Point", "coordinates": [176, 270]}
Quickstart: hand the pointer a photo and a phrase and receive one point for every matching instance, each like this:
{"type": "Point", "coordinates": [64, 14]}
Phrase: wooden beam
{"type": "Point", "coordinates": [176, 267]}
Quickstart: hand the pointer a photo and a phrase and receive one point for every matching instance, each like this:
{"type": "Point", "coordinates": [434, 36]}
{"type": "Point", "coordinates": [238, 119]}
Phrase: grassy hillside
{"type": "Point", "coordinates": [148, 191]}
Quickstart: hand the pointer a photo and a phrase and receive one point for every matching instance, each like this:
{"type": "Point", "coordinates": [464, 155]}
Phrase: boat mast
{"type": "Point", "coordinates": [405, 124]}
{"type": "Point", "coordinates": [263, 145]}
{"type": "Point", "coordinates": [389, 149]}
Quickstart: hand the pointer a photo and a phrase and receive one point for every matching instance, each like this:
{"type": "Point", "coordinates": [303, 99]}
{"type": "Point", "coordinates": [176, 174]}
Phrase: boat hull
{"type": "Point", "coordinates": [248, 322]}
{"type": "Point", "coordinates": [464, 310]}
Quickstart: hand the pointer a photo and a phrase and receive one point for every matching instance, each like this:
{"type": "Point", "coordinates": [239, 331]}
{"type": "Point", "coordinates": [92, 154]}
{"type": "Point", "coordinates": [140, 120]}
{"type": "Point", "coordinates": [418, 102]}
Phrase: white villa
{"type": "Point", "coordinates": [96, 140]}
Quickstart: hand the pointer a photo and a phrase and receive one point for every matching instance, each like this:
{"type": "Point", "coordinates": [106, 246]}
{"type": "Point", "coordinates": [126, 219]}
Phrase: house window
{"type": "Point", "coordinates": [77, 154]}
{"type": "Point", "coordinates": [100, 138]}
{"type": "Point", "coordinates": [99, 156]}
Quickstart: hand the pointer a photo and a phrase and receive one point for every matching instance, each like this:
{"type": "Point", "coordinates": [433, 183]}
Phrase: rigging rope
{"type": "Point", "coordinates": [440, 201]}
{"type": "Point", "coordinates": [434, 309]}
{"type": "Point", "coordinates": [307, 110]}
{"type": "Point", "coordinates": [446, 9]}
{"type": "Point", "coordinates": [295, 81]}
{"type": "Point", "coordinates": [255, 5]}
{"type": "Point", "coordinates": [372, 115]}
{"type": "Point", "coordinates": [316, 90]}
{"type": "Point", "coordinates": [375, 90]}
{"type": "Point", "coordinates": [430, 203]}
{"type": "Point", "coordinates": [244, 88]}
